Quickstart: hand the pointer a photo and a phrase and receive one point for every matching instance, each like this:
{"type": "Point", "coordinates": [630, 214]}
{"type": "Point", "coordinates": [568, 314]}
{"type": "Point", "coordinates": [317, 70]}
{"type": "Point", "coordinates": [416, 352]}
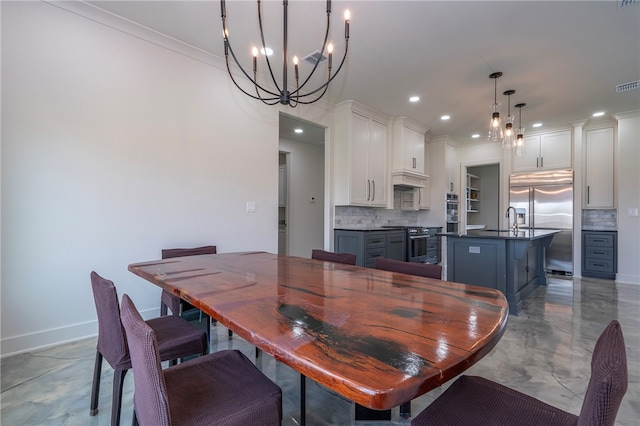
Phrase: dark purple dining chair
{"type": "Point", "coordinates": [475, 400]}
{"type": "Point", "coordinates": [223, 388]}
{"type": "Point", "coordinates": [411, 268]}
{"type": "Point", "coordinates": [176, 339]}
{"type": "Point", "coordinates": [346, 258]}
{"type": "Point", "coordinates": [174, 303]}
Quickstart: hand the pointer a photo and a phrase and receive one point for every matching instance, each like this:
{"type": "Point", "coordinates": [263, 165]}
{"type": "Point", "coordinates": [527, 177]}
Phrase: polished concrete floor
{"type": "Point", "coordinates": [545, 352]}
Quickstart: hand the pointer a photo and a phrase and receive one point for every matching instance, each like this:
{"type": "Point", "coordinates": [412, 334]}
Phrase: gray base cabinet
{"type": "Point", "coordinates": [368, 245]}
{"type": "Point", "coordinates": [599, 254]}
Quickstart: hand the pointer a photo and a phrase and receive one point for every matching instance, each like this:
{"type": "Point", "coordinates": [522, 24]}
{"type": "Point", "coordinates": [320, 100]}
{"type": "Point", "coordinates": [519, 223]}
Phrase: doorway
{"type": "Point", "coordinates": [482, 201]}
{"type": "Point", "coordinates": [301, 152]}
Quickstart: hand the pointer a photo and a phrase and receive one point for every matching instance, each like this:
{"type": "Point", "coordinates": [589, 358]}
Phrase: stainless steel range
{"type": "Point", "coordinates": [422, 244]}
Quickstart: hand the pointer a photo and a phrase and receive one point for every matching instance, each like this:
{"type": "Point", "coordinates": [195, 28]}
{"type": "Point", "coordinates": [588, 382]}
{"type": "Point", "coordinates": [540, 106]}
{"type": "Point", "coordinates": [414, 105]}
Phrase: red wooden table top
{"type": "Point", "coordinates": [378, 338]}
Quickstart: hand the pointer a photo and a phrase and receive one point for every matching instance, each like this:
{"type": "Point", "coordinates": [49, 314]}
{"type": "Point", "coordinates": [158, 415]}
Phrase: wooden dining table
{"type": "Point", "coordinates": [378, 338]}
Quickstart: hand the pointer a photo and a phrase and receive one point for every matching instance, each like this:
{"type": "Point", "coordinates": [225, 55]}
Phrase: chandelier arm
{"type": "Point", "coordinates": [229, 49]}
{"type": "Point", "coordinates": [326, 84]}
{"type": "Point", "coordinates": [244, 91]}
{"type": "Point", "coordinates": [264, 48]}
{"type": "Point", "coordinates": [324, 44]}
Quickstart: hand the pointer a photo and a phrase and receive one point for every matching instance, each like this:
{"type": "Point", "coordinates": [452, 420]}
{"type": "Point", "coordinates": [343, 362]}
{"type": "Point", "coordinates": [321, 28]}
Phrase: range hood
{"type": "Point", "coordinates": [405, 180]}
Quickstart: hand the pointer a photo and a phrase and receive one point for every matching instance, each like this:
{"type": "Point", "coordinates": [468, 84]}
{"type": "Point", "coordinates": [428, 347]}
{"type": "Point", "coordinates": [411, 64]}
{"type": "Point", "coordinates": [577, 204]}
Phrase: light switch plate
{"type": "Point", "coordinates": [251, 206]}
{"type": "Point", "coordinates": [632, 212]}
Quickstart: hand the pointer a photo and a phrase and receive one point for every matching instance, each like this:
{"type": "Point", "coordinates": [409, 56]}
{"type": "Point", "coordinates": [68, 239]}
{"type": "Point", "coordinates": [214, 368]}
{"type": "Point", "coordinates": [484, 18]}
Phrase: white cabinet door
{"type": "Point", "coordinates": [451, 161]}
{"type": "Point", "coordinates": [408, 146]}
{"type": "Point", "coordinates": [599, 169]}
{"type": "Point", "coordinates": [378, 163]}
{"type": "Point", "coordinates": [360, 156]}
{"type": "Point", "coordinates": [530, 160]}
{"type": "Point", "coordinates": [424, 195]}
{"type": "Point", "coordinates": [417, 142]}
{"type": "Point", "coordinates": [546, 151]}
{"type": "Point", "coordinates": [555, 150]}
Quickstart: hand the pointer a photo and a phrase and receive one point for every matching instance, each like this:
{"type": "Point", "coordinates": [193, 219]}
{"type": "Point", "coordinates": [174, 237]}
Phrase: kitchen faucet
{"type": "Point", "coordinates": [515, 219]}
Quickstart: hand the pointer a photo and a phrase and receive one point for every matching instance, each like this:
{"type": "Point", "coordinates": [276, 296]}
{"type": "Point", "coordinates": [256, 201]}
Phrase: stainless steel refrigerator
{"type": "Point", "coordinates": [544, 200]}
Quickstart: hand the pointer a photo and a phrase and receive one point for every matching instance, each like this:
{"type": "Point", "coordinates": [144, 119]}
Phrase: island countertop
{"type": "Point", "coordinates": [504, 234]}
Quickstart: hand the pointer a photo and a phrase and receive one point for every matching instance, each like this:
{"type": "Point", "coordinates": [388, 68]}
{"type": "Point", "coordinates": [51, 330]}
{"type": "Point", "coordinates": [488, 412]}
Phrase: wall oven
{"type": "Point", "coordinates": [452, 213]}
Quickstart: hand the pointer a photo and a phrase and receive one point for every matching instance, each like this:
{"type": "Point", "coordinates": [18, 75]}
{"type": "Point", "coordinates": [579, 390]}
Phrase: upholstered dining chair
{"type": "Point", "coordinates": [222, 388]}
{"type": "Point", "coordinates": [346, 258]}
{"type": "Point", "coordinates": [475, 400]}
{"type": "Point", "coordinates": [174, 303]}
{"type": "Point", "coordinates": [176, 339]}
{"type": "Point", "coordinates": [411, 268]}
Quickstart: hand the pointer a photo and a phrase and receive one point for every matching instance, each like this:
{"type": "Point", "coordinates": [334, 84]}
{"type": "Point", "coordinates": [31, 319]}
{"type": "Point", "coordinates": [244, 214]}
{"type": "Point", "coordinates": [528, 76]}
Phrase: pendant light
{"type": "Point", "coordinates": [509, 140]}
{"type": "Point", "coordinates": [519, 143]}
{"type": "Point", "coordinates": [495, 126]}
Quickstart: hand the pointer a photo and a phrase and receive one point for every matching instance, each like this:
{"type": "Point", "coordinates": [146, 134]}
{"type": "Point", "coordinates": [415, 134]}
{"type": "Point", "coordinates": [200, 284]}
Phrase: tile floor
{"type": "Point", "coordinates": [545, 352]}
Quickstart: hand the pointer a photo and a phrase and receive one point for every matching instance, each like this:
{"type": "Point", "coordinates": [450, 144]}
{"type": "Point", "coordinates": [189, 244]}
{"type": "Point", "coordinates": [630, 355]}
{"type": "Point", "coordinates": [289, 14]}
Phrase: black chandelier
{"type": "Point", "coordinates": [282, 95]}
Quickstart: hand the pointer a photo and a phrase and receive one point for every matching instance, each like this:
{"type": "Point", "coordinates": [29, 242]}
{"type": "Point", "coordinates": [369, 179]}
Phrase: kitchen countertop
{"type": "Point", "coordinates": [525, 234]}
{"type": "Point", "coordinates": [369, 228]}
{"type": "Point", "coordinates": [599, 228]}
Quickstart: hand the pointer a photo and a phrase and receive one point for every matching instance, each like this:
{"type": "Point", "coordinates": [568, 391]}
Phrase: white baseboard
{"type": "Point", "coordinates": [628, 279]}
{"type": "Point", "coordinates": [55, 336]}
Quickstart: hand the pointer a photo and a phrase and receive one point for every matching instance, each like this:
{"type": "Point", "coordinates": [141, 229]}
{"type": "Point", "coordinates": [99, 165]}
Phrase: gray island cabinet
{"type": "Point", "coordinates": [512, 262]}
{"type": "Point", "coordinates": [369, 243]}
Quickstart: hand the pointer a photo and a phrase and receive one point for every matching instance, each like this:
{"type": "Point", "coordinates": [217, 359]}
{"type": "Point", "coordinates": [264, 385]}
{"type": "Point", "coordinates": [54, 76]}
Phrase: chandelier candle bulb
{"type": "Point", "coordinates": [255, 59]}
{"type": "Point", "coordinates": [347, 16]}
{"type": "Point", "coordinates": [330, 51]}
{"type": "Point", "coordinates": [295, 67]}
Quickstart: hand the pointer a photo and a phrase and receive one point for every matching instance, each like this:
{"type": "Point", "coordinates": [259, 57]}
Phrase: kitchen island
{"type": "Point", "coordinates": [512, 262]}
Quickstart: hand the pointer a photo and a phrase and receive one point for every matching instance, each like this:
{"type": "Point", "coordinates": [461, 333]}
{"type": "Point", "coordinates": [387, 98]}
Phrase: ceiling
{"type": "Point", "coordinates": [563, 58]}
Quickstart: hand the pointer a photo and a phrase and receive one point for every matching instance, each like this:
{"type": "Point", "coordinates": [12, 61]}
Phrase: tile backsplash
{"type": "Point", "coordinates": [602, 218]}
{"type": "Point", "coordinates": [351, 216]}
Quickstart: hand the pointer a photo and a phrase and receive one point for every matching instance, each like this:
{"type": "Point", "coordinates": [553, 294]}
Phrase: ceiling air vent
{"type": "Point", "coordinates": [312, 58]}
{"type": "Point", "coordinates": [625, 3]}
{"type": "Point", "coordinates": [627, 86]}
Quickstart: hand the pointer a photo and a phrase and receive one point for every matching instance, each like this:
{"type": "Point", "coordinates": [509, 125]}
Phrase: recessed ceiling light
{"type": "Point", "coordinates": [298, 130]}
{"type": "Point", "coordinates": [445, 117]}
{"type": "Point", "coordinates": [598, 114]}
{"type": "Point", "coordinates": [414, 99]}
{"type": "Point", "coordinates": [536, 125]}
{"type": "Point", "coordinates": [475, 135]}
{"type": "Point", "coordinates": [269, 51]}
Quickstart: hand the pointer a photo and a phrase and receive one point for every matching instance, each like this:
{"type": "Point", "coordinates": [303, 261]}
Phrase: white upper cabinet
{"type": "Point", "coordinates": [599, 154]}
{"type": "Point", "coordinates": [360, 156]}
{"type": "Point", "coordinates": [408, 146]}
{"type": "Point", "coordinates": [546, 151]}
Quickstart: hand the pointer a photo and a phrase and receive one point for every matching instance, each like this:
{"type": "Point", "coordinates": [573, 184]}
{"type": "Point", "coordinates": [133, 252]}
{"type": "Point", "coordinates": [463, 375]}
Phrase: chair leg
{"type": "Point", "coordinates": [230, 334]}
{"type": "Point", "coordinates": [95, 388]}
{"type": "Point", "coordinates": [163, 309]}
{"type": "Point", "coordinates": [116, 403]}
{"type": "Point", "coordinates": [134, 420]}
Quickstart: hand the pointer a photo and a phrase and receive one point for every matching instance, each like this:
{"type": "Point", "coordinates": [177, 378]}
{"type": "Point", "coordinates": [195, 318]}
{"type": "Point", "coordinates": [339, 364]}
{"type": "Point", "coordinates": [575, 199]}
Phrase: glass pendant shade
{"type": "Point", "coordinates": [509, 140]}
{"type": "Point", "coordinates": [495, 125]}
{"type": "Point", "coordinates": [519, 142]}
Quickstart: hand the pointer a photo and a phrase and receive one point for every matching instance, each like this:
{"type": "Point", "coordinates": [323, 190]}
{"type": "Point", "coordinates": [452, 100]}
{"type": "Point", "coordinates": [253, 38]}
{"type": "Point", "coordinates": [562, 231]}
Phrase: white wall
{"type": "Point", "coordinates": [306, 179]}
{"type": "Point", "coordinates": [112, 149]}
{"type": "Point", "coordinates": [628, 197]}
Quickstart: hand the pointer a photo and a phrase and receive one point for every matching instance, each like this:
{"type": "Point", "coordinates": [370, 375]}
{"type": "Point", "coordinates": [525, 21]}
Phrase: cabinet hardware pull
{"type": "Point", "coordinates": [373, 197]}
{"type": "Point", "coordinates": [541, 162]}
{"type": "Point", "coordinates": [588, 194]}
{"type": "Point", "coordinates": [537, 162]}
{"type": "Point", "coordinates": [368, 189]}
{"type": "Point", "coordinates": [414, 162]}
